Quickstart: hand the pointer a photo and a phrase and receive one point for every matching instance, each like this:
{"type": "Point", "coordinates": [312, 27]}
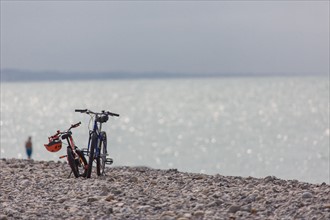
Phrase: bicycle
{"type": "Point", "coordinates": [97, 141]}
{"type": "Point", "coordinates": [75, 157]}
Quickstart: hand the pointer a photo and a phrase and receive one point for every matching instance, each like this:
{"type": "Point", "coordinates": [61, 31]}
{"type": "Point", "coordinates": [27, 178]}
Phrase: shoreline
{"type": "Point", "coordinates": [42, 190]}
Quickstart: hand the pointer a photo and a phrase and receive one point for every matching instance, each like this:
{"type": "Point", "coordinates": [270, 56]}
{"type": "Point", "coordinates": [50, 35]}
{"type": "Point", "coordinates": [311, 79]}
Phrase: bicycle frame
{"type": "Point", "coordinates": [97, 142]}
{"type": "Point", "coordinates": [69, 139]}
{"type": "Point", "coordinates": [71, 144]}
{"type": "Point", "coordinates": [74, 156]}
{"type": "Point", "coordinates": [96, 130]}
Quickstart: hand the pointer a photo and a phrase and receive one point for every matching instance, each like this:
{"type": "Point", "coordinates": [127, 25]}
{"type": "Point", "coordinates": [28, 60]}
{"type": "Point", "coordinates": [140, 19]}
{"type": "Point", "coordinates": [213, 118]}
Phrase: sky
{"type": "Point", "coordinates": [159, 36]}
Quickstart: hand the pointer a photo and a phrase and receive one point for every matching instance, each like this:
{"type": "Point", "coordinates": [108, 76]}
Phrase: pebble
{"type": "Point", "coordinates": [109, 198]}
{"type": "Point", "coordinates": [198, 214]}
{"type": "Point", "coordinates": [234, 208]}
{"type": "Point", "coordinates": [145, 193]}
{"type": "Point", "coordinates": [92, 199]}
{"type": "Point", "coordinates": [246, 208]}
{"type": "Point", "coordinates": [307, 195]}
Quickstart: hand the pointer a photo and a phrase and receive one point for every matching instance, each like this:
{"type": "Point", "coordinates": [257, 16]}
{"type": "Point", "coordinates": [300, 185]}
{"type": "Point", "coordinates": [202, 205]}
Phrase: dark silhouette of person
{"type": "Point", "coordinates": [28, 147]}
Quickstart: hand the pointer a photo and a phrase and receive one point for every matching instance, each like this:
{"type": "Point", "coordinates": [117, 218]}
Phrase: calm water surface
{"type": "Point", "coordinates": [232, 126]}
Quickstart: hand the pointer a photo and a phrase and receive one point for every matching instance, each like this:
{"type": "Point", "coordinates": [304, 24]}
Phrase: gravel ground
{"type": "Point", "coordinates": [42, 190]}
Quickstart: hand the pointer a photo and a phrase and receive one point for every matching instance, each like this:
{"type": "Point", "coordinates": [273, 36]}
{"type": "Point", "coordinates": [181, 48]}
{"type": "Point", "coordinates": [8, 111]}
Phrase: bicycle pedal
{"type": "Point", "coordinates": [109, 161]}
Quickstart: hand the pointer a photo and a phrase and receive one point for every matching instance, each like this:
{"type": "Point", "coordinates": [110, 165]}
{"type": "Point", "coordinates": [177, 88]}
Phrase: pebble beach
{"type": "Point", "coordinates": [43, 190]}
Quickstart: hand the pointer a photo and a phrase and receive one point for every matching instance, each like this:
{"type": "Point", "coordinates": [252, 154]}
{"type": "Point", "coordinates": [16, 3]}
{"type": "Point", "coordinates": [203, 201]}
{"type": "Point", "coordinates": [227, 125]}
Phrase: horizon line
{"type": "Point", "coordinates": [11, 74]}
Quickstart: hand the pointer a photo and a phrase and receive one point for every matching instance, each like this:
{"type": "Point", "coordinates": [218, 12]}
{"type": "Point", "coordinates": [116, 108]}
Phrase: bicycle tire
{"type": "Point", "coordinates": [100, 160]}
{"type": "Point", "coordinates": [91, 155]}
{"type": "Point", "coordinates": [72, 162]}
{"type": "Point", "coordinates": [81, 163]}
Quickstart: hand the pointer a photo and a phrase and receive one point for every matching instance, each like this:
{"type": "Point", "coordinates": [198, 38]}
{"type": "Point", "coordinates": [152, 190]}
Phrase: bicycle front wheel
{"type": "Point", "coordinates": [101, 158]}
{"type": "Point", "coordinates": [78, 164]}
{"type": "Point", "coordinates": [81, 163]}
{"type": "Point", "coordinates": [91, 155]}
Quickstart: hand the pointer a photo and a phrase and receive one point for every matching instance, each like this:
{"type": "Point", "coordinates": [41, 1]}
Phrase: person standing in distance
{"type": "Point", "coordinates": [28, 147]}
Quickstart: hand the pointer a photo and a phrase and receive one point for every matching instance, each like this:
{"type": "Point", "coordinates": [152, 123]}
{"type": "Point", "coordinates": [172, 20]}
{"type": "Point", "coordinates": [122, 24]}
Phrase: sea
{"type": "Point", "coordinates": [234, 126]}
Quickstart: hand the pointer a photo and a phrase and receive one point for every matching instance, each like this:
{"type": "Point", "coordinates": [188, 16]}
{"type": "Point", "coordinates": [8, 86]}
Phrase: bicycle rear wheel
{"type": "Point", "coordinates": [91, 155]}
{"type": "Point", "coordinates": [77, 165]}
{"type": "Point", "coordinates": [101, 158]}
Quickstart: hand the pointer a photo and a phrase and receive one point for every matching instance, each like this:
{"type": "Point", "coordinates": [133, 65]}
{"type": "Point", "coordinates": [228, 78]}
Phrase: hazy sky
{"type": "Point", "coordinates": [159, 36]}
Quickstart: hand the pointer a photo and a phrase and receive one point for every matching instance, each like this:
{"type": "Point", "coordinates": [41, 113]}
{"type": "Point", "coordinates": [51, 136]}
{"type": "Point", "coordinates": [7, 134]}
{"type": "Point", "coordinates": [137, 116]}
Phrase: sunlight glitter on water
{"type": "Point", "coordinates": [231, 126]}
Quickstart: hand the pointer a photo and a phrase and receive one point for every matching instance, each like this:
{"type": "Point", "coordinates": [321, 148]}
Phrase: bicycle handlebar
{"type": "Point", "coordinates": [59, 133]}
{"type": "Point", "coordinates": [81, 110]}
{"type": "Point", "coordinates": [95, 113]}
{"type": "Point", "coordinates": [75, 125]}
{"type": "Point", "coordinates": [112, 114]}
{"type": "Point", "coordinates": [56, 135]}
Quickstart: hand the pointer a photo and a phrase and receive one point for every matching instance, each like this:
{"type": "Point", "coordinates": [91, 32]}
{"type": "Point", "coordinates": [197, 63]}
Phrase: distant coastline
{"type": "Point", "coordinates": [16, 75]}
